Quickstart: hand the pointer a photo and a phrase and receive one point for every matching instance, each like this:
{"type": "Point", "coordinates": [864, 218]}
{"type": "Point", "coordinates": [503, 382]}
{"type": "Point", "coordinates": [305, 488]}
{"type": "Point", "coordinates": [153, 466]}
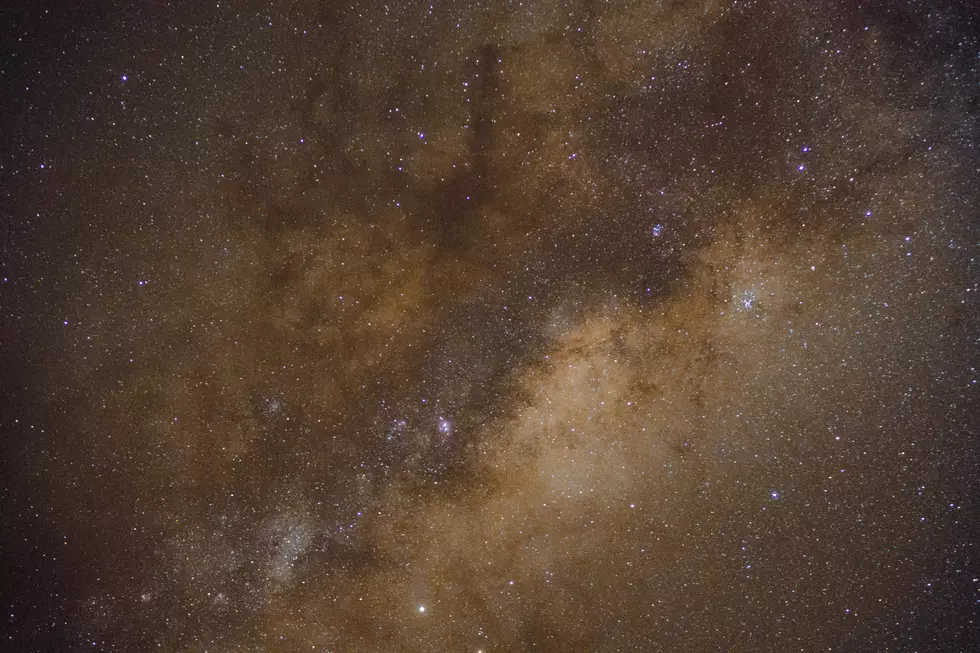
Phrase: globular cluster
{"type": "Point", "coordinates": [484, 326]}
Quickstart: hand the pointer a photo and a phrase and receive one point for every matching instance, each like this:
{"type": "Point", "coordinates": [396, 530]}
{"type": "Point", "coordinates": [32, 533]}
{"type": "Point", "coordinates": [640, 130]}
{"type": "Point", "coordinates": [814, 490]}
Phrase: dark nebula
{"type": "Point", "coordinates": [490, 326]}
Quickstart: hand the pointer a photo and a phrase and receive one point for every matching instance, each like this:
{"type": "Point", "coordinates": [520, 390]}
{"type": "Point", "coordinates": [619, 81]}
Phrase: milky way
{"type": "Point", "coordinates": [623, 326]}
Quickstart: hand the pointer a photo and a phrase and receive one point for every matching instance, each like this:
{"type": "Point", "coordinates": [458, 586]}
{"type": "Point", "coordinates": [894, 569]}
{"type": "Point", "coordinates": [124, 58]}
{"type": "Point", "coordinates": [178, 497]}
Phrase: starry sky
{"type": "Point", "coordinates": [630, 325]}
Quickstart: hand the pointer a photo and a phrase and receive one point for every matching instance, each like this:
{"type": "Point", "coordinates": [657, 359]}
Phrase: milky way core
{"type": "Point", "coordinates": [466, 326]}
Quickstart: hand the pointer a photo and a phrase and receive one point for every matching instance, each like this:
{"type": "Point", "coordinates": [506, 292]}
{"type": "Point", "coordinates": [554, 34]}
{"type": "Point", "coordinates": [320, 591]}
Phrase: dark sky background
{"type": "Point", "coordinates": [490, 326]}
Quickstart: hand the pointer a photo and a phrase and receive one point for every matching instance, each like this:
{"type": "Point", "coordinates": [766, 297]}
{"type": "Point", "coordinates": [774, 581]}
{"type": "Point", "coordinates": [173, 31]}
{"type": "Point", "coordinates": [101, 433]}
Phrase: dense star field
{"type": "Point", "coordinates": [638, 325]}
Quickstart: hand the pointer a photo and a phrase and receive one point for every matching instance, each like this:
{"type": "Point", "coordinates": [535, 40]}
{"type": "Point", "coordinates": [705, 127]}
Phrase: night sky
{"type": "Point", "coordinates": [468, 326]}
